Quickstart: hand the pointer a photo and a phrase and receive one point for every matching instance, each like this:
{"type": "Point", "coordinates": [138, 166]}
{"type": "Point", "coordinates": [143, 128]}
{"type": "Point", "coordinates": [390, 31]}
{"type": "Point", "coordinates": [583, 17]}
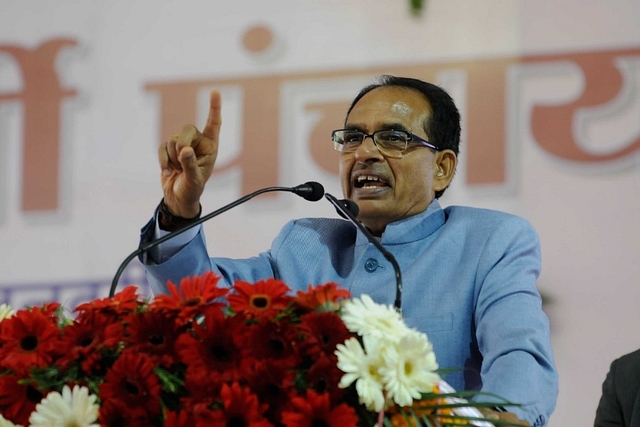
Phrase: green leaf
{"type": "Point", "coordinates": [170, 382]}
{"type": "Point", "coordinates": [49, 378]}
{"type": "Point", "coordinates": [416, 6]}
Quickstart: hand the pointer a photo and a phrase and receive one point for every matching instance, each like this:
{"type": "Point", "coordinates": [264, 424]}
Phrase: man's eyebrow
{"type": "Point", "coordinates": [383, 126]}
{"type": "Point", "coordinates": [394, 126]}
{"type": "Point", "coordinates": [355, 127]}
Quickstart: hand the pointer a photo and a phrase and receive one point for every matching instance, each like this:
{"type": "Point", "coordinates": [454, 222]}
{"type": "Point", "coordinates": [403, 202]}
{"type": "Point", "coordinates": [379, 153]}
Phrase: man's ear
{"type": "Point", "coordinates": [445, 167]}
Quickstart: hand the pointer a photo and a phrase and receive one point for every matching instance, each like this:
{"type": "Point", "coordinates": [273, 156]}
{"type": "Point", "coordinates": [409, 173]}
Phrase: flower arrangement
{"type": "Point", "coordinates": [203, 355]}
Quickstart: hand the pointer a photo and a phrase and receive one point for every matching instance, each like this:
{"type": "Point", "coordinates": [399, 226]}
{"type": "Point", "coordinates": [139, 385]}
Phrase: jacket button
{"type": "Point", "coordinates": [371, 265]}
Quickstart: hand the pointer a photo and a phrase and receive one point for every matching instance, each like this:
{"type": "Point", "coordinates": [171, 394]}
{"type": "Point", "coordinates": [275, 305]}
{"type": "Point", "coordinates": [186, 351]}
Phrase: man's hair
{"type": "Point", "coordinates": [443, 126]}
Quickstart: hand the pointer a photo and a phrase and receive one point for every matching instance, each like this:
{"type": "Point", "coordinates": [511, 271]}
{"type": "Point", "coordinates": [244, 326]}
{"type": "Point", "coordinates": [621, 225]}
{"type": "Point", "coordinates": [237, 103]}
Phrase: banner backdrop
{"type": "Point", "coordinates": [549, 93]}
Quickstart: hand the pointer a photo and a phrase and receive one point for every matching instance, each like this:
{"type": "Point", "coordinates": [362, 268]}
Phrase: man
{"type": "Point", "coordinates": [469, 274]}
{"type": "Point", "coordinates": [620, 402]}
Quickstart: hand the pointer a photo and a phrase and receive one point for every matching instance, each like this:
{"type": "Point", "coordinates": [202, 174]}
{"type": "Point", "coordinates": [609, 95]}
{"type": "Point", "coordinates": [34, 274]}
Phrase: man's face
{"type": "Point", "coordinates": [388, 189]}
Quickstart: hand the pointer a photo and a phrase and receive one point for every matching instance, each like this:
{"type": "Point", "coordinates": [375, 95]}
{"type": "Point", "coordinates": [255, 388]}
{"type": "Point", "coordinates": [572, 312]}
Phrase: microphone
{"type": "Point", "coordinates": [349, 209]}
{"type": "Point", "coordinates": [349, 205]}
{"type": "Point", "coordinates": [312, 191]}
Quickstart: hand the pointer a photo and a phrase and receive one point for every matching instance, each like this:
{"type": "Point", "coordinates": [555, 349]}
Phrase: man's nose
{"type": "Point", "coordinates": [368, 151]}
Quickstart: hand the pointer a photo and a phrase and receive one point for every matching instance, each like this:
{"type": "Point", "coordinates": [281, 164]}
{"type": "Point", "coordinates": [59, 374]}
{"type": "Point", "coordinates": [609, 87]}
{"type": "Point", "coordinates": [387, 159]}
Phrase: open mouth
{"type": "Point", "coordinates": [370, 181]}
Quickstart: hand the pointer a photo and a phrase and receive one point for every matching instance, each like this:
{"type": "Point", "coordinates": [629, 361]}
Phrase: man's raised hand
{"type": "Point", "coordinates": [187, 161]}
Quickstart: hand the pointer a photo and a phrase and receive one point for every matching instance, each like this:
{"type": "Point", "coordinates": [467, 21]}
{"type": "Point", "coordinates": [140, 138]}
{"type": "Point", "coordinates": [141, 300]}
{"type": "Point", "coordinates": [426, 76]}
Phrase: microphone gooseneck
{"type": "Point", "coordinates": [349, 205]}
{"type": "Point", "coordinates": [312, 191]}
{"type": "Point", "coordinates": [346, 209]}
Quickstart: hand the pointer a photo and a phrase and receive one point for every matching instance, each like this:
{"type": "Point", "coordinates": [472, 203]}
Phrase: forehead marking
{"type": "Point", "coordinates": [401, 108]}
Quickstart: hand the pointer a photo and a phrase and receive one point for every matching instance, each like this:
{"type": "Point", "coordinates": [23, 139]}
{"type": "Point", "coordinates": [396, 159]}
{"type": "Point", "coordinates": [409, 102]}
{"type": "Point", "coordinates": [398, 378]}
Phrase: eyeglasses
{"type": "Point", "coordinates": [391, 143]}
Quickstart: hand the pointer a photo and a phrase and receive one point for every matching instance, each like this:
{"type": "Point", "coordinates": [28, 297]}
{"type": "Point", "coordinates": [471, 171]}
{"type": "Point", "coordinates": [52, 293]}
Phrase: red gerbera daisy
{"type": "Point", "coordinates": [316, 410]}
{"type": "Point", "coordinates": [276, 341]}
{"type": "Point", "coordinates": [131, 380]}
{"type": "Point", "coordinates": [321, 298]}
{"type": "Point", "coordinates": [324, 330]}
{"type": "Point", "coordinates": [29, 339]}
{"type": "Point", "coordinates": [17, 401]}
{"type": "Point", "coordinates": [202, 388]}
{"type": "Point", "coordinates": [154, 334]}
{"type": "Point", "coordinates": [116, 413]}
{"type": "Point", "coordinates": [273, 384]}
{"type": "Point", "coordinates": [180, 419]}
{"type": "Point", "coordinates": [125, 301]}
{"type": "Point", "coordinates": [82, 341]}
{"type": "Point", "coordinates": [215, 346]}
{"type": "Point", "coordinates": [194, 294]}
{"type": "Point", "coordinates": [324, 376]}
{"type": "Point", "coordinates": [241, 408]}
{"type": "Point", "coordinates": [265, 298]}
{"type": "Point", "coordinates": [50, 309]}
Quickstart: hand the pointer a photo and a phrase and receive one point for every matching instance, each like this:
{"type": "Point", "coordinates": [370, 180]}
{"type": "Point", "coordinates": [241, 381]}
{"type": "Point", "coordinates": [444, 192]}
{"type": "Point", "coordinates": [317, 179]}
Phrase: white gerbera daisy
{"type": "Point", "coordinates": [363, 368]}
{"type": "Point", "coordinates": [365, 317]}
{"type": "Point", "coordinates": [6, 311]}
{"type": "Point", "coordinates": [409, 368]}
{"type": "Point", "coordinates": [5, 422]}
{"type": "Point", "coordinates": [75, 408]}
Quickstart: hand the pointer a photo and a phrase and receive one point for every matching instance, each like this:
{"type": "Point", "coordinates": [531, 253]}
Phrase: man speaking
{"type": "Point", "coordinates": [469, 274]}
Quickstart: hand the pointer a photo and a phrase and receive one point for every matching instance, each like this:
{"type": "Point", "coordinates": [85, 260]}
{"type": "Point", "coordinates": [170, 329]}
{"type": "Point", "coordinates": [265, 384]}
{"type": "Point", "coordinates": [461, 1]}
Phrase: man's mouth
{"type": "Point", "coordinates": [370, 182]}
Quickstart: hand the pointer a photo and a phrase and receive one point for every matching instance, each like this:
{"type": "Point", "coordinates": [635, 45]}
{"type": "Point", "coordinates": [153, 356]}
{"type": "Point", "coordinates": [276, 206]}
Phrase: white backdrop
{"type": "Point", "coordinates": [586, 210]}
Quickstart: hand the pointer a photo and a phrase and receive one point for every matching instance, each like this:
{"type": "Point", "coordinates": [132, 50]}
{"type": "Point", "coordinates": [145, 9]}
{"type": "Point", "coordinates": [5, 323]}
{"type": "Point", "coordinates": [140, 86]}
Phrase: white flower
{"type": "Point", "coordinates": [5, 312]}
{"type": "Point", "coordinates": [3, 421]}
{"type": "Point", "coordinates": [363, 368]}
{"type": "Point", "coordinates": [394, 363]}
{"type": "Point", "coordinates": [70, 409]}
{"type": "Point", "coordinates": [409, 368]}
{"type": "Point", "coordinates": [365, 317]}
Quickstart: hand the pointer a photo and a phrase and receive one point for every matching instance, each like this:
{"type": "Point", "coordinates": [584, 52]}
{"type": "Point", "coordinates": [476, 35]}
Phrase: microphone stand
{"type": "Point", "coordinates": [342, 206]}
{"type": "Point", "coordinates": [311, 191]}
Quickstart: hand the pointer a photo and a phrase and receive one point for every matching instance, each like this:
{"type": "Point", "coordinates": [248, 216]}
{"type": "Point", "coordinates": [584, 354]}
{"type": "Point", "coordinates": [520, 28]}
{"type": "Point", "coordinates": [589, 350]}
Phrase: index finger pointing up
{"type": "Point", "coordinates": [214, 121]}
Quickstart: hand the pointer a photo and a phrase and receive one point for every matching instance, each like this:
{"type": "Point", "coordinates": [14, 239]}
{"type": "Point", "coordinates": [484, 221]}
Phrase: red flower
{"type": "Point", "coordinates": [324, 330]}
{"type": "Point", "coordinates": [116, 413]}
{"type": "Point", "coordinates": [17, 401]}
{"type": "Point", "coordinates": [273, 384]}
{"type": "Point", "coordinates": [195, 293]}
{"type": "Point", "coordinates": [125, 301]}
{"type": "Point", "coordinates": [241, 408]}
{"type": "Point", "coordinates": [154, 334]}
{"type": "Point", "coordinates": [316, 410]}
{"type": "Point", "coordinates": [132, 381]}
{"type": "Point", "coordinates": [181, 419]}
{"type": "Point", "coordinates": [265, 298]}
{"type": "Point", "coordinates": [202, 387]}
{"type": "Point", "coordinates": [256, 358]}
{"type": "Point", "coordinates": [214, 348]}
{"type": "Point", "coordinates": [50, 309]}
{"type": "Point", "coordinates": [322, 297]}
{"type": "Point", "coordinates": [324, 376]}
{"type": "Point", "coordinates": [29, 339]}
{"type": "Point", "coordinates": [275, 341]}
{"type": "Point", "coordinates": [82, 342]}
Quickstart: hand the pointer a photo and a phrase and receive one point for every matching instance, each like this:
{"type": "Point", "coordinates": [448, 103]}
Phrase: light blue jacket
{"type": "Point", "coordinates": [469, 280]}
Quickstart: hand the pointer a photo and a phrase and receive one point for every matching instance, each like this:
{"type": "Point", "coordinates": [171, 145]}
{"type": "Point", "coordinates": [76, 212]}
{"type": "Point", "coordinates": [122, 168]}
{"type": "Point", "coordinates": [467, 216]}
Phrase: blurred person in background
{"type": "Point", "coordinates": [620, 402]}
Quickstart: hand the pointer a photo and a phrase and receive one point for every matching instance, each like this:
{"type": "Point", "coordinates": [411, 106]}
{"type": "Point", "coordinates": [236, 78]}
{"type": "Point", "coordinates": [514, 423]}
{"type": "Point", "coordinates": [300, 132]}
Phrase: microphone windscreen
{"type": "Point", "coordinates": [312, 191]}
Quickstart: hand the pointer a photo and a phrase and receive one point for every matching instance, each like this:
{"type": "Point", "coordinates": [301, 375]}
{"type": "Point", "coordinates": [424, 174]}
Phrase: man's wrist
{"type": "Point", "coordinates": [170, 222]}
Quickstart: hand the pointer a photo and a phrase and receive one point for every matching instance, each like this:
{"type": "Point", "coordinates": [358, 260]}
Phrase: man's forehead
{"type": "Point", "coordinates": [401, 107]}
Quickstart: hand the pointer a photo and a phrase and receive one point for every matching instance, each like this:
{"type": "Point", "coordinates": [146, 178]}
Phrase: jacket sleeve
{"type": "Point", "coordinates": [193, 259]}
{"type": "Point", "coordinates": [512, 331]}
